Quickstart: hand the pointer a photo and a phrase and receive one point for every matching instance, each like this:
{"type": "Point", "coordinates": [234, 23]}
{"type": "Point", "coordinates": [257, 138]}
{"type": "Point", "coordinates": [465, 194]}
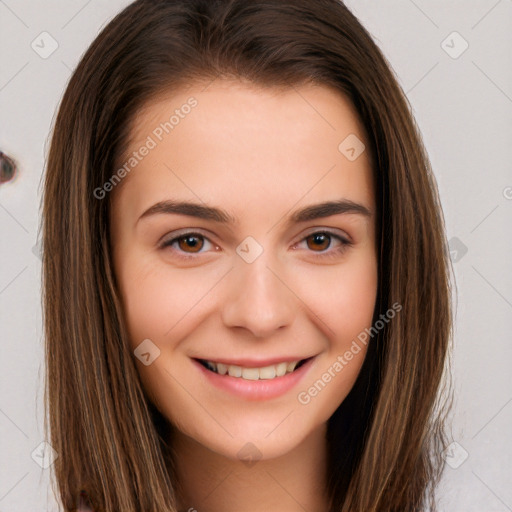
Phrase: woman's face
{"type": "Point", "coordinates": [223, 254]}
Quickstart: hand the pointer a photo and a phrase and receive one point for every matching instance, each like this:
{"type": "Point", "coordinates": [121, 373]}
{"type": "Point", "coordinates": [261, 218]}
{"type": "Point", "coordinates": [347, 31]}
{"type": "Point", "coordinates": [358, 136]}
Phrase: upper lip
{"type": "Point", "coordinates": [254, 363]}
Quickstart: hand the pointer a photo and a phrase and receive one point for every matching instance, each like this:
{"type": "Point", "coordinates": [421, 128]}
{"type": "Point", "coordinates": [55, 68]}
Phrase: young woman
{"type": "Point", "coordinates": [246, 278]}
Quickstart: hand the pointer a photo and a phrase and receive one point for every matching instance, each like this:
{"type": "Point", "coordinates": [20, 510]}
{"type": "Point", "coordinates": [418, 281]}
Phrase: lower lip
{"type": "Point", "coordinates": [256, 389]}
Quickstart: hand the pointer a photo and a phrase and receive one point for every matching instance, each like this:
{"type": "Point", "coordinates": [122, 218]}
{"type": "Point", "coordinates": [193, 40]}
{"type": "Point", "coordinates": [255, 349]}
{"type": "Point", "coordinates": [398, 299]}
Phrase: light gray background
{"type": "Point", "coordinates": [463, 107]}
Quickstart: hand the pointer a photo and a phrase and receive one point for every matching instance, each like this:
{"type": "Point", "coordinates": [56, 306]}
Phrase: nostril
{"type": "Point", "coordinates": [7, 168]}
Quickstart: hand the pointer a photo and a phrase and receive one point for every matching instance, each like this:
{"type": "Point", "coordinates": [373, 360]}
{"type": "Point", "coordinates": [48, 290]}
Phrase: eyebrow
{"type": "Point", "coordinates": [312, 212]}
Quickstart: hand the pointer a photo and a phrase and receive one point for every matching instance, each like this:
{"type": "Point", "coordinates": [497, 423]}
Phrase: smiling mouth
{"type": "Point", "coordinates": [265, 373]}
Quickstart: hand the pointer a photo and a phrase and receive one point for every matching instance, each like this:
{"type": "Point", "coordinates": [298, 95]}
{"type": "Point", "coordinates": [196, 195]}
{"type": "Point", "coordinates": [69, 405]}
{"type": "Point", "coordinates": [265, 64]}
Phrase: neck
{"type": "Point", "coordinates": [210, 482]}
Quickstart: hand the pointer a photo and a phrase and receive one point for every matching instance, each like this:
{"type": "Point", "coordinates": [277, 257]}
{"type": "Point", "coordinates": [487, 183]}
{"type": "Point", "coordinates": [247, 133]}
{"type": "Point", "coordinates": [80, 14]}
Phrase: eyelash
{"type": "Point", "coordinates": [345, 244]}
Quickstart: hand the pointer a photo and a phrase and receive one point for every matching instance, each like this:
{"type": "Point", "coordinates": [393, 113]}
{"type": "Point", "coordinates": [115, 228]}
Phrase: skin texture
{"type": "Point", "coordinates": [260, 154]}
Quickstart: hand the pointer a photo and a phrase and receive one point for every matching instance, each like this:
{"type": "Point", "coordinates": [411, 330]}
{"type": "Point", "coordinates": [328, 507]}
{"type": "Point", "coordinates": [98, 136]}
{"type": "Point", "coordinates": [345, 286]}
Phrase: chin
{"type": "Point", "coordinates": [255, 438]}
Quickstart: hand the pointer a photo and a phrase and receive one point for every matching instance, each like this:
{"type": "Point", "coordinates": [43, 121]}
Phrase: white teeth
{"type": "Point", "coordinates": [250, 373]}
{"type": "Point", "coordinates": [222, 369]}
{"type": "Point", "coordinates": [235, 371]}
{"type": "Point", "coordinates": [269, 372]}
{"type": "Point", "coordinates": [291, 366]}
{"type": "Point", "coordinates": [281, 369]}
{"type": "Point", "coordinates": [265, 373]}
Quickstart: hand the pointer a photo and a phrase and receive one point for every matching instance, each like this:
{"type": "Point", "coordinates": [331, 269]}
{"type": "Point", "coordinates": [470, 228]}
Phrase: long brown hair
{"type": "Point", "coordinates": [385, 439]}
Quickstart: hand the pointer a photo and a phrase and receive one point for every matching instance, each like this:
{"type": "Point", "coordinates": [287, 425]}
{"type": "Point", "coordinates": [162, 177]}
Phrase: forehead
{"type": "Point", "coordinates": [237, 144]}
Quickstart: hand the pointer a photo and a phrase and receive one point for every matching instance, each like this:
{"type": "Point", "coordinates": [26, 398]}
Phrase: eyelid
{"type": "Point", "coordinates": [170, 237]}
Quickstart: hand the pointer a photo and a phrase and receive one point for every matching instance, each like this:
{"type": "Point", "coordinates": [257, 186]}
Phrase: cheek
{"type": "Point", "coordinates": [157, 301]}
{"type": "Point", "coordinates": [343, 298]}
{"type": "Point", "coordinates": [345, 303]}
{"type": "Point", "coordinates": [146, 300]}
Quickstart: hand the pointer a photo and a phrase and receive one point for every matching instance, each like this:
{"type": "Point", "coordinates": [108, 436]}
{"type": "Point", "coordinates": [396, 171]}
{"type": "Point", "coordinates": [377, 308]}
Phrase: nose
{"type": "Point", "coordinates": [259, 298]}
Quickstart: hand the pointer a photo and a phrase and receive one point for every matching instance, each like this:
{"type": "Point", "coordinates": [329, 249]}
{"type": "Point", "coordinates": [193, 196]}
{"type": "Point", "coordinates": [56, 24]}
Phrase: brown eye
{"type": "Point", "coordinates": [320, 241]}
{"type": "Point", "coordinates": [188, 245]}
{"type": "Point", "coordinates": [190, 242]}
